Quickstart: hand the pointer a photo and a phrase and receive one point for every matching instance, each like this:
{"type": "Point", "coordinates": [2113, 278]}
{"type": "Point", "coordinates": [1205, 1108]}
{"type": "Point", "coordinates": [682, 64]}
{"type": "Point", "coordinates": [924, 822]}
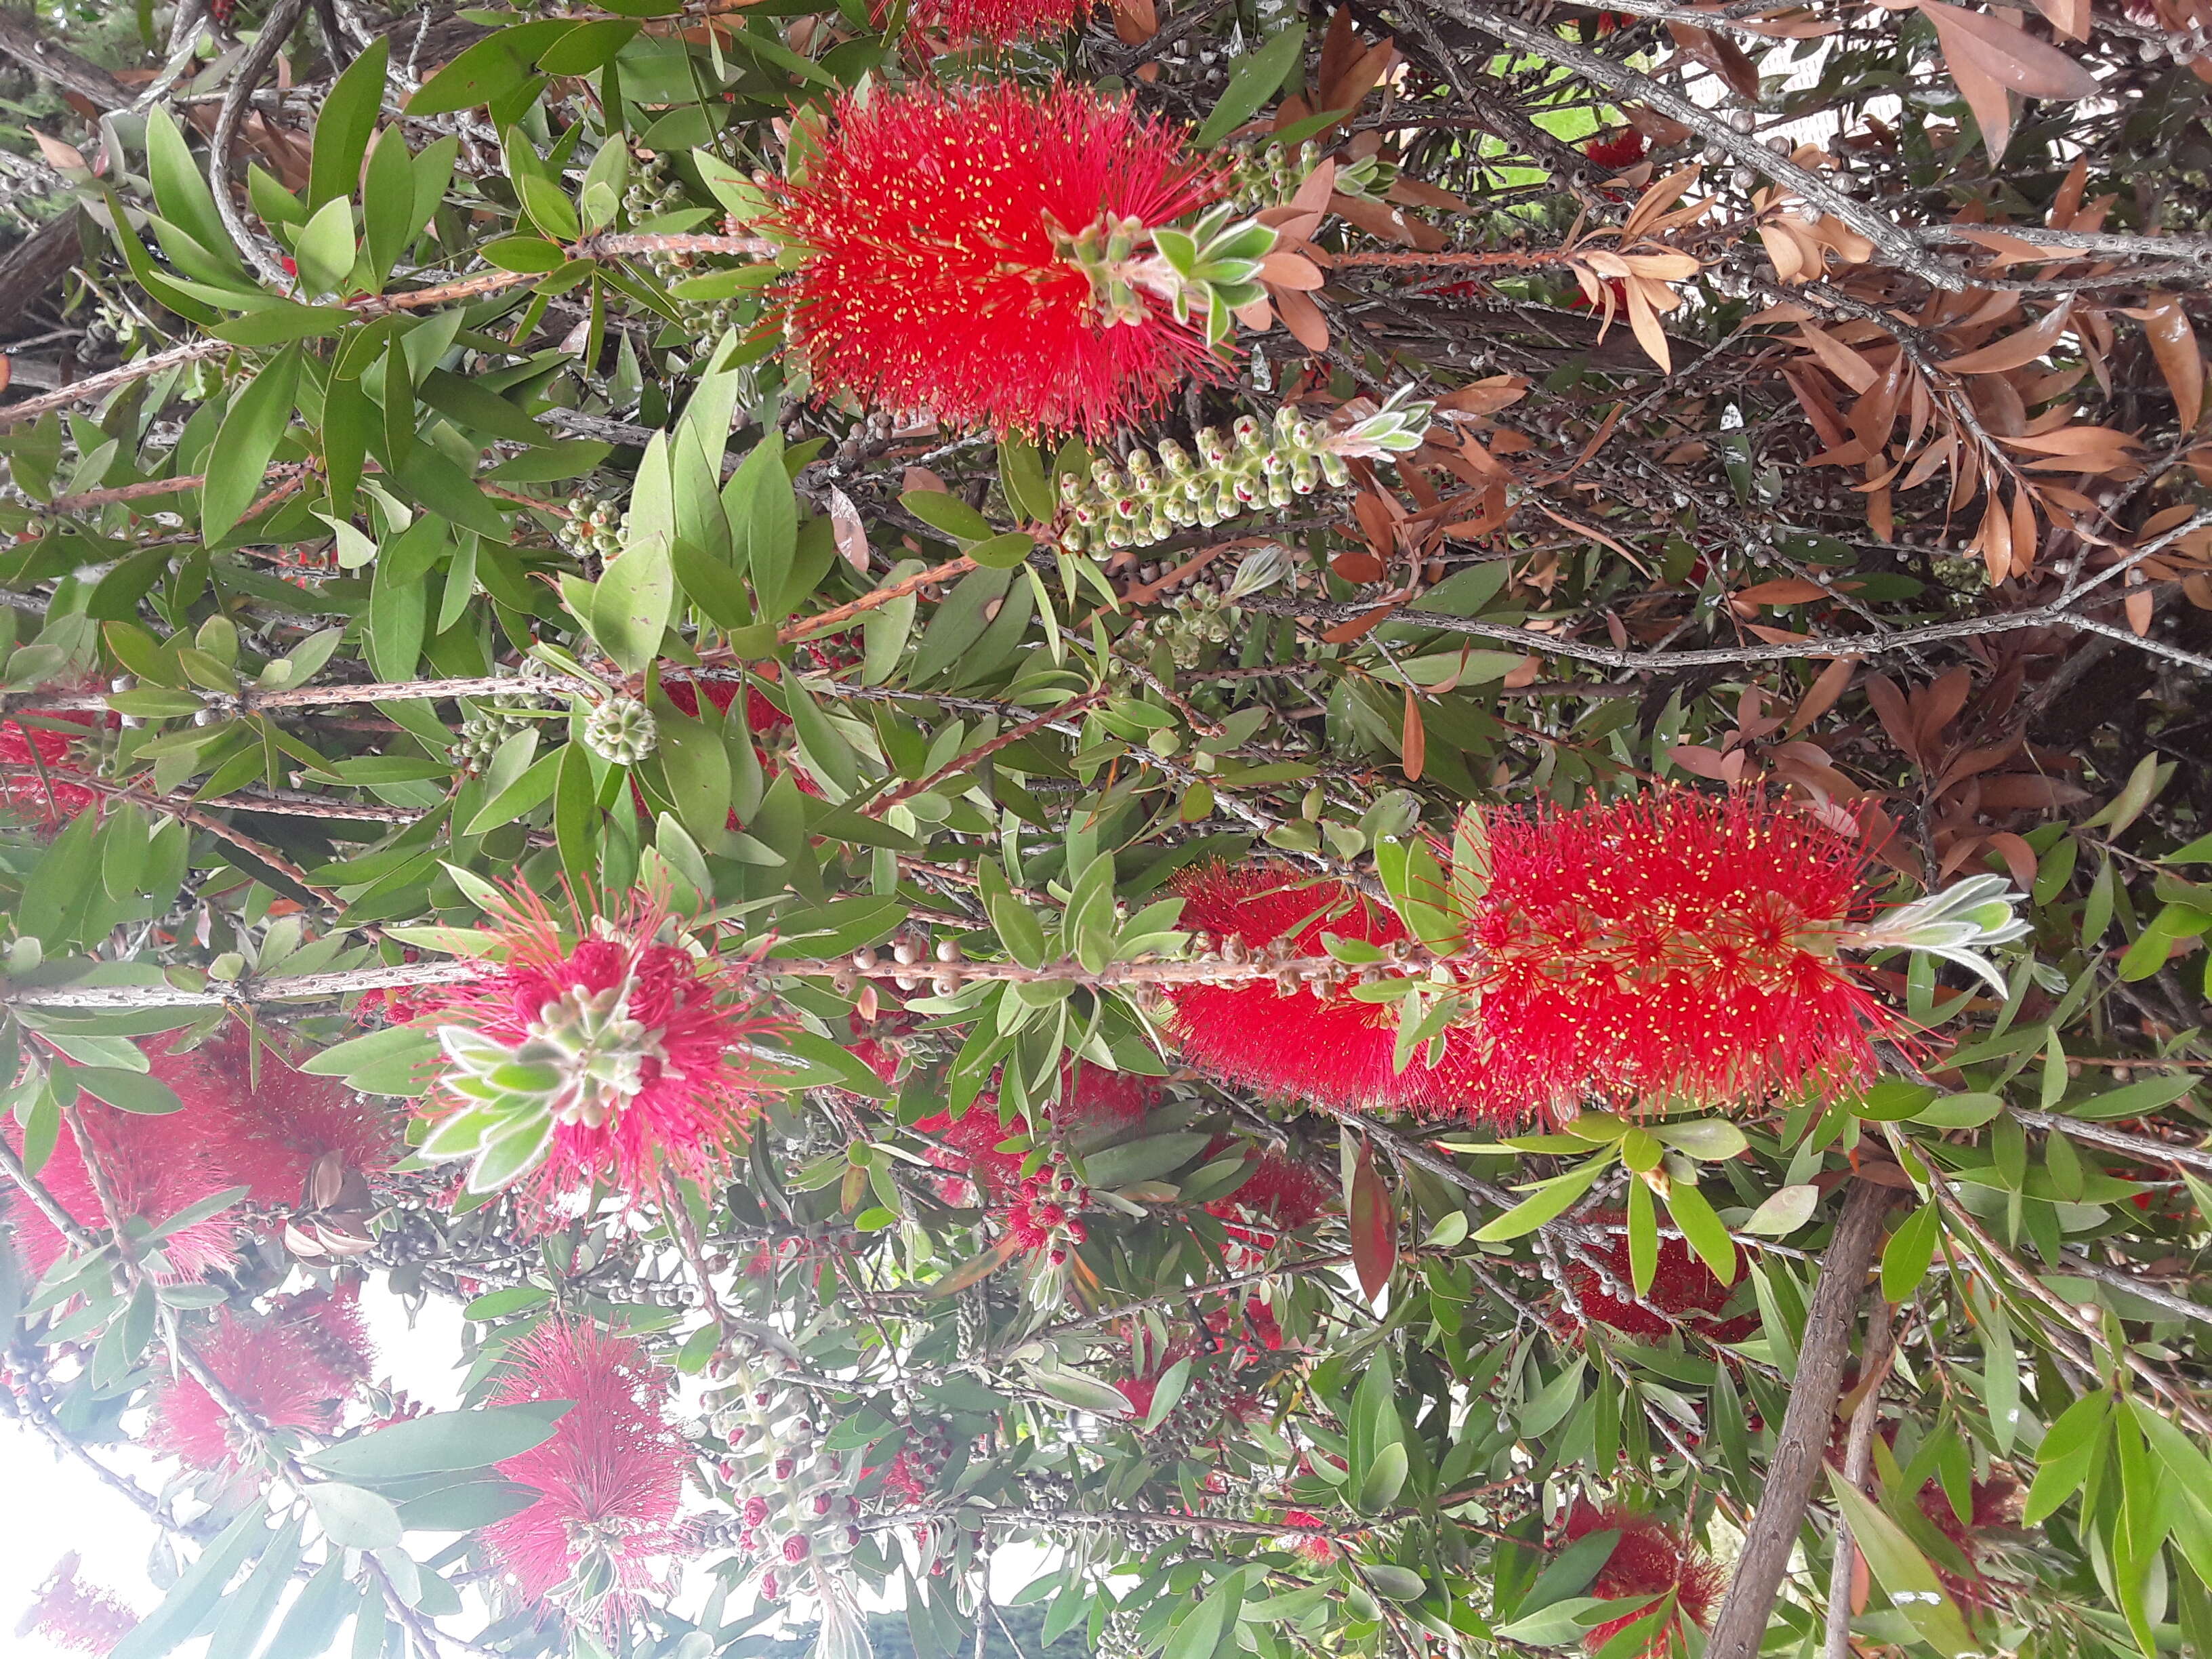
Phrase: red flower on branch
{"type": "Point", "coordinates": [1311, 1539]}
{"type": "Point", "coordinates": [265, 1124]}
{"type": "Point", "coordinates": [152, 1172]}
{"type": "Point", "coordinates": [1305, 1043]}
{"type": "Point", "coordinates": [647, 1044]}
{"type": "Point", "coordinates": [1681, 1285]}
{"type": "Point", "coordinates": [1619, 149]}
{"type": "Point", "coordinates": [77, 1616]}
{"type": "Point", "coordinates": [294, 1367]}
{"type": "Point", "coordinates": [1647, 1560]}
{"type": "Point", "coordinates": [602, 1530]}
{"type": "Point", "coordinates": [1990, 1504]}
{"type": "Point", "coordinates": [1669, 950]}
{"type": "Point", "coordinates": [995, 23]}
{"type": "Point", "coordinates": [35, 768]}
{"type": "Point", "coordinates": [1278, 1190]}
{"type": "Point", "coordinates": [937, 282]}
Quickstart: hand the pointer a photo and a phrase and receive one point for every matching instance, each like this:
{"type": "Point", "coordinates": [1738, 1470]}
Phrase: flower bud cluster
{"type": "Point", "coordinates": [1268, 175]}
{"type": "Point", "coordinates": [799, 1514]}
{"type": "Point", "coordinates": [1043, 1217]}
{"type": "Point", "coordinates": [621, 730]}
{"type": "Point", "coordinates": [593, 528]}
{"type": "Point", "coordinates": [1252, 466]}
{"type": "Point", "coordinates": [651, 191]}
{"type": "Point", "coordinates": [480, 735]}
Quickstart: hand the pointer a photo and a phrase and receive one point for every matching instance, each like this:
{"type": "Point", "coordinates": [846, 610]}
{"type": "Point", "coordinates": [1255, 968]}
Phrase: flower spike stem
{"type": "Point", "coordinates": [1154, 493]}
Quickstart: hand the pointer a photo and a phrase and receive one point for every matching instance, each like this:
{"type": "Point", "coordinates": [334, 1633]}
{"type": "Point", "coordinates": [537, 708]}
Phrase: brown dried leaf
{"type": "Point", "coordinates": [1282, 270]}
{"type": "Point", "coordinates": [851, 534]}
{"type": "Point", "coordinates": [2009, 52]}
{"type": "Point", "coordinates": [1838, 359]}
{"type": "Point", "coordinates": [1412, 739]}
{"type": "Point", "coordinates": [1303, 318]}
{"type": "Point", "coordinates": [1644, 320]}
{"type": "Point", "coordinates": [1135, 21]}
{"type": "Point", "coordinates": [1823, 693]}
{"type": "Point", "coordinates": [2137, 604]}
{"type": "Point", "coordinates": [1786, 590]}
{"type": "Point", "coordinates": [2173, 342]}
{"type": "Point", "coordinates": [2013, 350]}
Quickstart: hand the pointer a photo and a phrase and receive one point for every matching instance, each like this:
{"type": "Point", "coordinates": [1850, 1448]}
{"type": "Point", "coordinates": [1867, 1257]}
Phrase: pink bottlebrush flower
{"type": "Point", "coordinates": [1647, 1560]}
{"type": "Point", "coordinates": [602, 1530]}
{"type": "Point", "coordinates": [1665, 951]}
{"type": "Point", "coordinates": [1305, 1045]}
{"type": "Point", "coordinates": [992, 22]}
{"type": "Point", "coordinates": [154, 1173]}
{"type": "Point", "coordinates": [1619, 149]}
{"type": "Point", "coordinates": [81, 1617]}
{"type": "Point", "coordinates": [268, 1132]}
{"type": "Point", "coordinates": [1681, 1285]}
{"type": "Point", "coordinates": [294, 1367]}
{"type": "Point", "coordinates": [644, 1041]}
{"type": "Point", "coordinates": [938, 282]}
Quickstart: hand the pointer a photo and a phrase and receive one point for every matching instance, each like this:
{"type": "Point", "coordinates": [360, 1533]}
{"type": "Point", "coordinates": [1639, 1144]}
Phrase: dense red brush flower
{"type": "Point", "coordinates": [1681, 1285]}
{"type": "Point", "coordinates": [154, 1173]}
{"type": "Point", "coordinates": [1619, 149]}
{"type": "Point", "coordinates": [1992, 1502]}
{"type": "Point", "coordinates": [294, 1367]}
{"type": "Point", "coordinates": [992, 22]}
{"type": "Point", "coordinates": [267, 1131]}
{"type": "Point", "coordinates": [1310, 1539]}
{"type": "Point", "coordinates": [602, 1531]}
{"type": "Point", "coordinates": [1668, 950]}
{"type": "Point", "coordinates": [1305, 1045]}
{"type": "Point", "coordinates": [936, 283]}
{"type": "Point", "coordinates": [1647, 1560]}
{"type": "Point", "coordinates": [81, 1617]}
{"type": "Point", "coordinates": [35, 765]}
{"type": "Point", "coordinates": [654, 1080]}
{"type": "Point", "coordinates": [1278, 1190]}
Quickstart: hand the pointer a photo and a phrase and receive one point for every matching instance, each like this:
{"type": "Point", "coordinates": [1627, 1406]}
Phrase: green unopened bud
{"type": "Point", "coordinates": [621, 730]}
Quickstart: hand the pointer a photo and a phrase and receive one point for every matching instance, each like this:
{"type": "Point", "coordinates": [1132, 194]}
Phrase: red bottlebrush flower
{"type": "Point", "coordinates": [649, 1083]}
{"type": "Point", "coordinates": [936, 283]}
{"type": "Point", "coordinates": [903, 1480]}
{"type": "Point", "coordinates": [293, 1368]}
{"type": "Point", "coordinates": [153, 1171]}
{"type": "Point", "coordinates": [602, 1529]}
{"type": "Point", "coordinates": [268, 1132]}
{"type": "Point", "coordinates": [970, 1147]}
{"type": "Point", "coordinates": [35, 768]}
{"type": "Point", "coordinates": [1647, 1560]}
{"type": "Point", "coordinates": [1303, 1045]}
{"type": "Point", "coordinates": [1310, 1540]}
{"type": "Point", "coordinates": [1139, 1392]}
{"type": "Point", "coordinates": [1621, 148]}
{"type": "Point", "coordinates": [993, 22]}
{"type": "Point", "coordinates": [1993, 1503]}
{"type": "Point", "coordinates": [1278, 1190]}
{"type": "Point", "coordinates": [1668, 950]}
{"type": "Point", "coordinates": [1681, 1285]}
{"type": "Point", "coordinates": [78, 1616]}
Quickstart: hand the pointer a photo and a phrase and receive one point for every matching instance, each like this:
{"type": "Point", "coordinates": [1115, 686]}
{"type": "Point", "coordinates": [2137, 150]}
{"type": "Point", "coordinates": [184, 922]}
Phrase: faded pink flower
{"type": "Point", "coordinates": [69, 1614]}
{"type": "Point", "coordinates": [603, 1530]}
{"type": "Point", "coordinates": [294, 1367]}
{"type": "Point", "coordinates": [154, 1173]}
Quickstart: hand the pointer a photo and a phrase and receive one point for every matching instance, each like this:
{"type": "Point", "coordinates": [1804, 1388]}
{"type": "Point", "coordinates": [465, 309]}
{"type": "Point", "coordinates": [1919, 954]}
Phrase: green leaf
{"type": "Point", "coordinates": [256, 421]}
{"type": "Point", "coordinates": [447, 1442]}
{"type": "Point", "coordinates": [196, 1593]}
{"type": "Point", "coordinates": [1548, 1406]}
{"type": "Point", "coordinates": [1643, 1237]}
{"type": "Point", "coordinates": [495, 66]}
{"type": "Point", "coordinates": [1784, 1211]}
{"type": "Point", "coordinates": [127, 1091]}
{"type": "Point", "coordinates": [1903, 1572]}
{"type": "Point", "coordinates": [1386, 1478]}
{"type": "Point", "coordinates": [1710, 1140]}
{"type": "Point", "coordinates": [1083, 1392]}
{"type": "Point", "coordinates": [1909, 1254]}
{"type": "Point", "coordinates": [354, 1517]}
{"type": "Point", "coordinates": [1146, 1159]}
{"type": "Point", "coordinates": [999, 552]}
{"type": "Point", "coordinates": [949, 514]}
{"type": "Point", "coordinates": [1892, 1100]}
{"type": "Point", "coordinates": [1251, 84]}
{"type": "Point", "coordinates": [1707, 1236]}
{"type": "Point", "coordinates": [345, 124]}
{"type": "Point", "coordinates": [1166, 1392]}
{"type": "Point", "coordinates": [1394, 1584]}
{"type": "Point", "coordinates": [1550, 1200]}
{"type": "Point", "coordinates": [325, 249]}
{"type": "Point", "coordinates": [633, 602]}
{"type": "Point", "coordinates": [585, 48]}
{"type": "Point", "coordinates": [180, 191]}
